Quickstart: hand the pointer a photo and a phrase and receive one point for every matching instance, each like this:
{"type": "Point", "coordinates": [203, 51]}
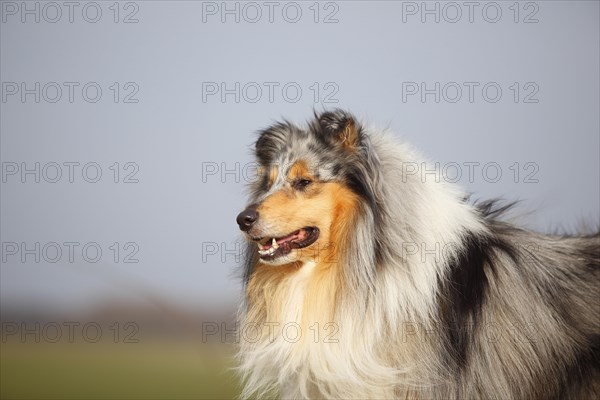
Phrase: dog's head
{"type": "Point", "coordinates": [310, 188]}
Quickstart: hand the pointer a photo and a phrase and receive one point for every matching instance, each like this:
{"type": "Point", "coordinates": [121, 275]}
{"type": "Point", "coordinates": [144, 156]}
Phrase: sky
{"type": "Point", "coordinates": [126, 130]}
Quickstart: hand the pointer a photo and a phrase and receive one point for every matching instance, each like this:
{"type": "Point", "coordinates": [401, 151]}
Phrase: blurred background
{"type": "Point", "coordinates": [126, 132]}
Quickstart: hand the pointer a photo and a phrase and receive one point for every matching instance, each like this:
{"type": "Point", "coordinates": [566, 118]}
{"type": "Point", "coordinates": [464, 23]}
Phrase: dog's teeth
{"type": "Point", "coordinates": [270, 251]}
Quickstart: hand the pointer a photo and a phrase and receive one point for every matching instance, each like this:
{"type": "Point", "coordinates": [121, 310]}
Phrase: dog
{"type": "Point", "coordinates": [364, 280]}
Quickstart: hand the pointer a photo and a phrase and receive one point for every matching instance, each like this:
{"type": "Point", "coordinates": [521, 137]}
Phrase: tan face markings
{"type": "Point", "coordinates": [331, 207]}
{"type": "Point", "coordinates": [334, 211]}
{"type": "Point", "coordinates": [299, 170]}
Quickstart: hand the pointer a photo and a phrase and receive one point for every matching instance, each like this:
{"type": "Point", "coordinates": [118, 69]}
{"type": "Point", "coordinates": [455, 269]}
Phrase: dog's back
{"type": "Point", "coordinates": [527, 317]}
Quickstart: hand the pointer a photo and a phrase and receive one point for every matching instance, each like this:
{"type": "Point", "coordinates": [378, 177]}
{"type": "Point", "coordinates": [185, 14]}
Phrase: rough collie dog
{"type": "Point", "coordinates": [365, 280]}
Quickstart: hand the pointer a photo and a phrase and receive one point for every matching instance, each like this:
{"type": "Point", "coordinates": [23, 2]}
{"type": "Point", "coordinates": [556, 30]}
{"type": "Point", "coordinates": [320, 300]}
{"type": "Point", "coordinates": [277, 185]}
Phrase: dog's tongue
{"type": "Point", "coordinates": [296, 236]}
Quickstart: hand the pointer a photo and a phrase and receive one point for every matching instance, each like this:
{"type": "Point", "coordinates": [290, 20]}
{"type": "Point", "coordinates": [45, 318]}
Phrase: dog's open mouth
{"type": "Point", "coordinates": [271, 248]}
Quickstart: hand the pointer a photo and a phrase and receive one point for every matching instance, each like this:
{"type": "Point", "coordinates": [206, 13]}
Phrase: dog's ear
{"type": "Point", "coordinates": [340, 127]}
{"type": "Point", "coordinates": [271, 140]}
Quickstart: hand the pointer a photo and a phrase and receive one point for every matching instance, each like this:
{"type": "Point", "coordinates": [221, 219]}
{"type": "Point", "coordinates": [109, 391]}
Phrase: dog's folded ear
{"type": "Point", "coordinates": [271, 140]}
{"type": "Point", "coordinates": [341, 127]}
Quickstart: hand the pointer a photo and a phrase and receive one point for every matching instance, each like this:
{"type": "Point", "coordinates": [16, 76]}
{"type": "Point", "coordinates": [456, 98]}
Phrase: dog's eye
{"type": "Point", "coordinates": [300, 184]}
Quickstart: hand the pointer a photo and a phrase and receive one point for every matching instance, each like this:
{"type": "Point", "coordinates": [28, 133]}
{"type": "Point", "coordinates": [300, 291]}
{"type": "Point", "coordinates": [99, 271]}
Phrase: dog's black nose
{"type": "Point", "coordinates": [247, 218]}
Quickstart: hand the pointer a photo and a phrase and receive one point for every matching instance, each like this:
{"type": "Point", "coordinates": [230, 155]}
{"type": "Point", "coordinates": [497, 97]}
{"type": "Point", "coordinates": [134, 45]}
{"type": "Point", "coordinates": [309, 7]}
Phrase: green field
{"type": "Point", "coordinates": [157, 370]}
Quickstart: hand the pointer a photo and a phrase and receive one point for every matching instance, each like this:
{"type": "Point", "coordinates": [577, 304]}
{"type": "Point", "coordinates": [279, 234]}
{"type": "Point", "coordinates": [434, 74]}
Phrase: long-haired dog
{"type": "Point", "coordinates": [365, 280]}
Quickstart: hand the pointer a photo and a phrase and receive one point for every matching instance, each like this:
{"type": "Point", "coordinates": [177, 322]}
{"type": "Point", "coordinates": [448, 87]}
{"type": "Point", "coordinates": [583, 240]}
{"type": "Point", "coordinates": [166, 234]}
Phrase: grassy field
{"type": "Point", "coordinates": [156, 370]}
